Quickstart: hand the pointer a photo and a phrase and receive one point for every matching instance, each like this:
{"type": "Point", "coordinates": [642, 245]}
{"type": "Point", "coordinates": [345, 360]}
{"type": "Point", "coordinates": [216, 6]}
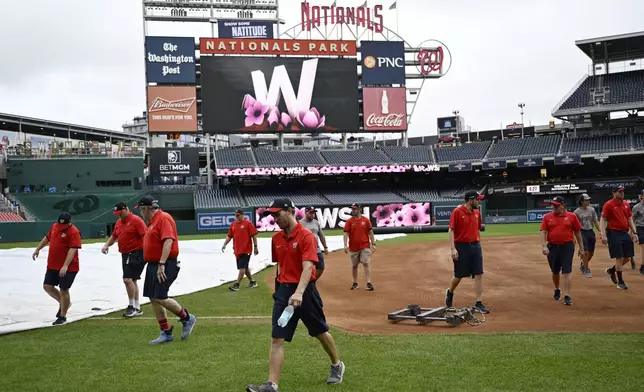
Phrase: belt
{"type": "Point", "coordinates": [565, 243]}
{"type": "Point", "coordinates": [467, 243]}
{"type": "Point", "coordinates": [294, 285]}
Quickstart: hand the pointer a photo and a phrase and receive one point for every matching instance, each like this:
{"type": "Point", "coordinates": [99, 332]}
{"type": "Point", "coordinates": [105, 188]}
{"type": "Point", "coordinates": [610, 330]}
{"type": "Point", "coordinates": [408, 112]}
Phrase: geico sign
{"type": "Point", "coordinates": [332, 217]}
{"type": "Point", "coordinates": [216, 220]}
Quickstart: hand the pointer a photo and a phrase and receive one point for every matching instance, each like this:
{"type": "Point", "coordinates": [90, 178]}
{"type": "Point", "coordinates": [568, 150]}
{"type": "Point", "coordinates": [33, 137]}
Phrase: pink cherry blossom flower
{"type": "Point", "coordinates": [311, 119]}
{"type": "Point", "coordinates": [273, 117]}
{"type": "Point", "coordinates": [382, 212]}
{"type": "Point", "coordinates": [286, 120]}
{"type": "Point", "coordinates": [414, 218]}
{"type": "Point", "coordinates": [255, 114]}
{"type": "Point", "coordinates": [399, 219]}
{"type": "Point", "coordinates": [248, 101]}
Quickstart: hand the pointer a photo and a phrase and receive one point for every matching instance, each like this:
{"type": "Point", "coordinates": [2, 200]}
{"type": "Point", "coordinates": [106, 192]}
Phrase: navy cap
{"type": "Point", "coordinates": [64, 218]}
{"type": "Point", "coordinates": [557, 201]}
{"type": "Point", "coordinates": [471, 195]}
{"type": "Point", "coordinates": [618, 188]}
{"type": "Point", "coordinates": [118, 208]}
{"type": "Point", "coordinates": [279, 205]}
{"type": "Point", "coordinates": [147, 201]}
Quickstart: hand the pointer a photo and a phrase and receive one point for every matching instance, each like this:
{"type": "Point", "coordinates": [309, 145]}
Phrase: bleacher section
{"type": "Point", "coordinates": [467, 152]}
{"type": "Point", "coordinates": [525, 147]}
{"type": "Point", "coordinates": [423, 195]}
{"type": "Point", "coordinates": [216, 199]}
{"type": "Point", "coordinates": [638, 141]}
{"type": "Point", "coordinates": [299, 198]}
{"type": "Point", "coordinates": [410, 155]}
{"type": "Point", "coordinates": [232, 158]}
{"type": "Point", "coordinates": [276, 158]}
{"type": "Point", "coordinates": [360, 157]}
{"type": "Point", "coordinates": [10, 217]}
{"type": "Point", "coordinates": [348, 197]}
{"type": "Point", "coordinates": [603, 143]}
{"type": "Point", "coordinates": [625, 87]}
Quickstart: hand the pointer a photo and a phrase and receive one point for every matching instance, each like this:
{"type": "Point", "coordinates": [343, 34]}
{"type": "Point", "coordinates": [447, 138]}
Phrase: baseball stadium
{"type": "Point", "coordinates": [237, 122]}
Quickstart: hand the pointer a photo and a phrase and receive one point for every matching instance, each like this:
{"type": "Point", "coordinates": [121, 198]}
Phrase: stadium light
{"type": "Point", "coordinates": [521, 106]}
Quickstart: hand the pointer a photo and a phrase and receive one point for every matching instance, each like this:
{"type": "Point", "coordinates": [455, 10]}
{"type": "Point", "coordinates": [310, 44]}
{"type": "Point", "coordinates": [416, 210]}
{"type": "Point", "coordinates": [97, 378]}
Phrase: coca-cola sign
{"type": "Point", "coordinates": [384, 109]}
{"type": "Point", "coordinates": [172, 109]}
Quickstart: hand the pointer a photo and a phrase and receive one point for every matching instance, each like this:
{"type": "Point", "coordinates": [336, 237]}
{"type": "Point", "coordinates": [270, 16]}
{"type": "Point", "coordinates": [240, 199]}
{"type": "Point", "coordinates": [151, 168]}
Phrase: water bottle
{"type": "Point", "coordinates": [286, 316]}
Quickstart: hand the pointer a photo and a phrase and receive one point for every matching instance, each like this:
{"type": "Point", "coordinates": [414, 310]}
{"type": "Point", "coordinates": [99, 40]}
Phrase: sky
{"type": "Point", "coordinates": [82, 62]}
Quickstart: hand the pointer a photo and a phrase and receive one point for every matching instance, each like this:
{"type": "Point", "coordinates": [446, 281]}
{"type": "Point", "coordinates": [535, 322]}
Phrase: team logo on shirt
{"type": "Point", "coordinates": [63, 235]}
{"type": "Point", "coordinates": [294, 245]}
{"type": "Point", "coordinates": [362, 223]}
{"type": "Point", "coordinates": [242, 226]}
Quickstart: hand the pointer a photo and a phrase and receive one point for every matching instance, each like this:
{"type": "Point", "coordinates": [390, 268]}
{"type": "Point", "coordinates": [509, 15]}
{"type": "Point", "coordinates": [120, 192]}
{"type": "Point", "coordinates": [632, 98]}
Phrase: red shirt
{"type": "Point", "coordinates": [291, 251]}
{"type": "Point", "coordinates": [466, 225]}
{"type": "Point", "coordinates": [129, 234]}
{"type": "Point", "coordinates": [62, 238]}
{"type": "Point", "coordinates": [616, 214]}
{"type": "Point", "coordinates": [560, 228]}
{"type": "Point", "coordinates": [241, 233]}
{"type": "Point", "coordinates": [358, 230]}
{"type": "Point", "coordinates": [161, 227]}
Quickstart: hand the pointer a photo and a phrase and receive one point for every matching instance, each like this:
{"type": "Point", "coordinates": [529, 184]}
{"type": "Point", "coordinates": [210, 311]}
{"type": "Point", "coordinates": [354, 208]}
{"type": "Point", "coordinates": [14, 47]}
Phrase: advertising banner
{"type": "Point", "coordinates": [460, 167]}
{"type": "Point", "coordinates": [492, 165]}
{"type": "Point", "coordinates": [384, 108]}
{"type": "Point", "coordinates": [380, 215]}
{"type": "Point", "coordinates": [556, 189]}
{"type": "Point", "coordinates": [505, 219]}
{"type": "Point", "coordinates": [529, 162]}
{"type": "Point", "coordinates": [533, 216]}
{"type": "Point", "coordinates": [443, 213]}
{"type": "Point", "coordinates": [174, 162]}
{"type": "Point", "coordinates": [324, 170]}
{"type": "Point", "coordinates": [245, 29]}
{"type": "Point", "coordinates": [218, 220]}
{"type": "Point", "coordinates": [258, 94]}
{"type": "Point", "coordinates": [170, 59]}
{"type": "Point", "coordinates": [383, 62]}
{"type": "Point", "coordinates": [274, 47]}
{"type": "Point", "coordinates": [506, 190]}
{"type": "Point", "coordinates": [609, 185]}
{"type": "Point", "coordinates": [172, 109]}
{"type": "Point", "coordinates": [568, 160]}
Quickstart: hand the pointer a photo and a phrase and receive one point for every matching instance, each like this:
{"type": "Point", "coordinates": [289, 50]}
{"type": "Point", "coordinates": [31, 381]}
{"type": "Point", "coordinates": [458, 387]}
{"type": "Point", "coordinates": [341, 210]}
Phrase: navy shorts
{"type": "Point", "coordinates": [470, 260]}
{"type": "Point", "coordinates": [310, 312]}
{"type": "Point", "coordinates": [320, 264]}
{"type": "Point", "coordinates": [560, 257]}
{"type": "Point", "coordinates": [52, 278]}
{"type": "Point", "coordinates": [154, 289]}
{"type": "Point", "coordinates": [589, 240]}
{"type": "Point", "coordinates": [620, 244]}
{"type": "Point", "coordinates": [640, 234]}
{"type": "Point", "coordinates": [243, 261]}
{"type": "Point", "coordinates": [133, 264]}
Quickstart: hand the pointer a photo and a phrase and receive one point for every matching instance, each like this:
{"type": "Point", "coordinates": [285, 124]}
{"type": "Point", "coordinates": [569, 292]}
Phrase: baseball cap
{"type": "Point", "coordinates": [310, 208]}
{"type": "Point", "coordinates": [584, 196]}
{"type": "Point", "coordinates": [471, 195]}
{"type": "Point", "coordinates": [355, 205]}
{"type": "Point", "coordinates": [557, 201]}
{"type": "Point", "coordinates": [239, 211]}
{"type": "Point", "coordinates": [618, 188]}
{"type": "Point", "coordinates": [64, 218]}
{"type": "Point", "coordinates": [118, 208]}
{"type": "Point", "coordinates": [279, 205]}
{"type": "Point", "coordinates": [147, 201]}
{"type": "Point", "coordinates": [642, 192]}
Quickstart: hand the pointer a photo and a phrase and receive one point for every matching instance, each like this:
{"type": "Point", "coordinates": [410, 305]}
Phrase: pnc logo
{"type": "Point", "coordinates": [383, 62]}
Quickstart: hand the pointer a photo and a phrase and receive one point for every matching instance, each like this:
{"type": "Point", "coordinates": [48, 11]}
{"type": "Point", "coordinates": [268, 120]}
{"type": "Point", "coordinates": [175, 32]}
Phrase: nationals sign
{"type": "Point", "coordinates": [384, 109]}
{"type": "Point", "coordinates": [283, 47]}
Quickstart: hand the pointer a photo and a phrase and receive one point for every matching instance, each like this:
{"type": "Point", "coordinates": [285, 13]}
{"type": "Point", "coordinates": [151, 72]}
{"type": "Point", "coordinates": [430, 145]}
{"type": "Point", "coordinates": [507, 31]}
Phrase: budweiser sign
{"type": "Point", "coordinates": [172, 109]}
{"type": "Point", "coordinates": [384, 109]}
{"type": "Point", "coordinates": [180, 105]}
{"type": "Point", "coordinates": [314, 16]}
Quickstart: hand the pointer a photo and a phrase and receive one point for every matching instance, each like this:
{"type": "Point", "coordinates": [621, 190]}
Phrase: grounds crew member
{"type": "Point", "coordinates": [314, 227]}
{"type": "Point", "coordinates": [358, 235]}
{"type": "Point", "coordinates": [128, 232]}
{"type": "Point", "coordinates": [616, 220]}
{"type": "Point", "coordinates": [464, 237]}
{"type": "Point", "coordinates": [294, 249]}
{"type": "Point", "coordinates": [241, 231]}
{"type": "Point", "coordinates": [160, 252]}
{"type": "Point", "coordinates": [638, 218]}
{"type": "Point", "coordinates": [559, 229]}
{"type": "Point", "coordinates": [64, 241]}
{"type": "Point", "coordinates": [587, 216]}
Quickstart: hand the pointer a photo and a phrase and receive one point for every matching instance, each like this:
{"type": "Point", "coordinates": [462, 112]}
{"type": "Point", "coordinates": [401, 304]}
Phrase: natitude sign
{"type": "Point", "coordinates": [384, 108]}
{"type": "Point", "coordinates": [245, 29]}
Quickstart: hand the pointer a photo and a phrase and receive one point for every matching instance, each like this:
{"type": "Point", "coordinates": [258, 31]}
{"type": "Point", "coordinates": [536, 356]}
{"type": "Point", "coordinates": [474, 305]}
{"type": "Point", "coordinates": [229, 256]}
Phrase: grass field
{"type": "Point", "coordinates": [112, 354]}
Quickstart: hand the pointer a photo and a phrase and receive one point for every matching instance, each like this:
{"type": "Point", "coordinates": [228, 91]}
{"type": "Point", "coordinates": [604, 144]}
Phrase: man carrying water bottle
{"type": "Point", "coordinates": [296, 296]}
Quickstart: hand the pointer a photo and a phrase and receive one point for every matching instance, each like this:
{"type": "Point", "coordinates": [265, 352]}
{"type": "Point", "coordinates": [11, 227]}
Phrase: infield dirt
{"type": "Point", "coordinates": [517, 289]}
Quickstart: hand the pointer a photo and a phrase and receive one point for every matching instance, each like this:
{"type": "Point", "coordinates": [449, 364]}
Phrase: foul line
{"type": "Point", "coordinates": [198, 317]}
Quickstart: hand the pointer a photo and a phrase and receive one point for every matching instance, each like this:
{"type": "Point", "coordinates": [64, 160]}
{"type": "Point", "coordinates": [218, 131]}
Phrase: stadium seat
{"type": "Point", "coordinates": [596, 144]}
{"type": "Point", "coordinates": [299, 198]}
{"type": "Point", "coordinates": [233, 158]}
{"type": "Point", "coordinates": [10, 217]}
{"type": "Point", "coordinates": [410, 155]}
{"type": "Point", "coordinates": [220, 198]}
{"type": "Point", "coordinates": [474, 151]}
{"type": "Point", "coordinates": [625, 87]}
{"type": "Point", "coordinates": [359, 157]}
{"type": "Point", "coordinates": [363, 197]}
{"type": "Point", "coordinates": [277, 158]}
{"type": "Point", "coordinates": [525, 147]}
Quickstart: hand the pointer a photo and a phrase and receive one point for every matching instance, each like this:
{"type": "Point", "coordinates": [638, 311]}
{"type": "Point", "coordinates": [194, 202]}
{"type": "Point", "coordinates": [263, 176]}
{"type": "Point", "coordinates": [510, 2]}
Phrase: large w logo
{"type": "Point", "coordinates": [281, 85]}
